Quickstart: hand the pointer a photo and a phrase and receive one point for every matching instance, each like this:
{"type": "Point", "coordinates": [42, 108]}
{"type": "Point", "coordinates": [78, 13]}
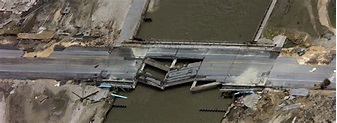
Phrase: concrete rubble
{"type": "Point", "coordinates": [292, 106]}
{"type": "Point", "coordinates": [17, 6]}
{"type": "Point", "coordinates": [278, 106]}
{"type": "Point", "coordinates": [251, 100]}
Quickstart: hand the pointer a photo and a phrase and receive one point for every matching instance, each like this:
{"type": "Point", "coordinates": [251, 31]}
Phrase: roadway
{"type": "Point", "coordinates": [217, 64]}
{"type": "Point", "coordinates": [68, 64]}
{"type": "Point", "coordinates": [287, 72]}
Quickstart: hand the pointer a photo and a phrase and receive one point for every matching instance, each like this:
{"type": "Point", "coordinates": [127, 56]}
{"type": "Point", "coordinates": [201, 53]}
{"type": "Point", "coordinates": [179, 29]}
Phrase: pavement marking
{"type": "Point", "coordinates": [68, 58]}
{"type": "Point", "coordinates": [86, 58]}
{"type": "Point", "coordinates": [293, 80]}
{"type": "Point", "coordinates": [220, 69]}
{"type": "Point", "coordinates": [93, 65]}
{"type": "Point", "coordinates": [236, 62]}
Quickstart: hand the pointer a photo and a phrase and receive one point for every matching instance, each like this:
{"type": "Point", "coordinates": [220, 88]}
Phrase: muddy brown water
{"type": "Point", "coordinates": [175, 105]}
{"type": "Point", "coordinates": [229, 20]}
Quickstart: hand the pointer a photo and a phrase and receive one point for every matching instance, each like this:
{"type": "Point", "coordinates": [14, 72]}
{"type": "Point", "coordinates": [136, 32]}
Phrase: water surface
{"type": "Point", "coordinates": [175, 105]}
{"type": "Point", "coordinates": [231, 20]}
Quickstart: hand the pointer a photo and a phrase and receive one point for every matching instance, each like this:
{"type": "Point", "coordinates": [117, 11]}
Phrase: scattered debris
{"type": "Point", "coordinates": [240, 93]}
{"type": "Point", "coordinates": [58, 84]}
{"type": "Point", "coordinates": [119, 106]}
{"type": "Point", "coordinates": [328, 36]}
{"type": "Point", "coordinates": [311, 106]}
{"type": "Point", "coordinates": [212, 110]}
{"type": "Point", "coordinates": [5, 23]}
{"type": "Point", "coordinates": [292, 106]}
{"type": "Point", "coordinates": [17, 6]}
{"type": "Point", "coordinates": [147, 19]}
{"type": "Point", "coordinates": [41, 98]}
{"type": "Point", "coordinates": [313, 70]}
{"type": "Point", "coordinates": [102, 85]}
{"type": "Point", "coordinates": [66, 9]}
{"type": "Point", "coordinates": [324, 84]}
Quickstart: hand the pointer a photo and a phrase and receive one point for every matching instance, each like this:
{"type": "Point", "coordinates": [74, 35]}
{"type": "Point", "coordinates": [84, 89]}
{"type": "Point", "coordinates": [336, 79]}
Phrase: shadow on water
{"type": "Point", "coordinates": [174, 105]}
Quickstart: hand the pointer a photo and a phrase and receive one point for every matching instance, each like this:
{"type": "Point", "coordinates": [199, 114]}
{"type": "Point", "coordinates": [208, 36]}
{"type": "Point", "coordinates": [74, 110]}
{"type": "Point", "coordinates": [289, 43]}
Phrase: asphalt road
{"type": "Point", "coordinates": [124, 63]}
{"type": "Point", "coordinates": [287, 72]}
{"type": "Point", "coordinates": [68, 64]}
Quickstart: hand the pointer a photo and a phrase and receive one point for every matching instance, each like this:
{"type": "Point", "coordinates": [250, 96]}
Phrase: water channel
{"type": "Point", "coordinates": [175, 105]}
{"type": "Point", "coordinates": [229, 20]}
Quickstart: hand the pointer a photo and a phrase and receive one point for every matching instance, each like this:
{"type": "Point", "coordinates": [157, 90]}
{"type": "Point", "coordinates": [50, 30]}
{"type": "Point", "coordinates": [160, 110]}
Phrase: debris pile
{"type": "Point", "coordinates": [314, 55]}
{"type": "Point", "coordinates": [297, 105]}
{"type": "Point", "coordinates": [17, 6]}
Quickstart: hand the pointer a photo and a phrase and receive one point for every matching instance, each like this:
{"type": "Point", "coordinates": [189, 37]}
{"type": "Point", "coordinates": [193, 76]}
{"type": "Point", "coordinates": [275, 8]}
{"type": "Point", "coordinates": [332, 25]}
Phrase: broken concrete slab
{"type": "Point", "coordinates": [5, 23]}
{"type": "Point", "coordinates": [41, 98]}
{"type": "Point", "coordinates": [292, 106]}
{"type": "Point", "coordinates": [251, 100]}
{"type": "Point", "coordinates": [102, 94]}
{"type": "Point", "coordinates": [299, 92]}
{"type": "Point", "coordinates": [279, 40]}
{"type": "Point", "coordinates": [17, 6]}
{"type": "Point", "coordinates": [45, 35]}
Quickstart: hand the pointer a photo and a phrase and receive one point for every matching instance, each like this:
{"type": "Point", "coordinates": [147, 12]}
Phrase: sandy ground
{"type": "Point", "coordinates": [323, 15]}
{"type": "Point", "coordinates": [2, 109]}
{"type": "Point", "coordinates": [153, 5]}
{"type": "Point", "coordinates": [44, 53]}
{"type": "Point", "coordinates": [39, 101]}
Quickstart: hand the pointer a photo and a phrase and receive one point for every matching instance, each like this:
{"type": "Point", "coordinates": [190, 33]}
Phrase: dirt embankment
{"type": "Point", "coordinates": [39, 101]}
{"type": "Point", "coordinates": [300, 28]}
{"type": "Point", "coordinates": [74, 22]}
{"type": "Point", "coordinates": [323, 15]}
{"type": "Point", "coordinates": [153, 5]}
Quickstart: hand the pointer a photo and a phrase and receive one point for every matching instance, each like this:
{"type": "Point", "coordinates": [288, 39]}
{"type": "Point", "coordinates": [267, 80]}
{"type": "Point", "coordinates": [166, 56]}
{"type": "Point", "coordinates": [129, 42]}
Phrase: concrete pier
{"type": "Point", "coordinates": [132, 21]}
{"type": "Point", "coordinates": [204, 86]}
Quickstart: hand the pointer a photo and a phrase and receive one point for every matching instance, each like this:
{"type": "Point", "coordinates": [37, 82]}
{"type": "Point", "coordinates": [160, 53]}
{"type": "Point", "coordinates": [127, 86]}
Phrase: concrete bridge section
{"type": "Point", "coordinates": [201, 45]}
{"type": "Point", "coordinates": [226, 66]}
{"type": "Point", "coordinates": [138, 8]}
{"type": "Point", "coordinates": [70, 64]}
{"type": "Point", "coordinates": [236, 66]}
{"type": "Point", "coordinates": [265, 20]}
